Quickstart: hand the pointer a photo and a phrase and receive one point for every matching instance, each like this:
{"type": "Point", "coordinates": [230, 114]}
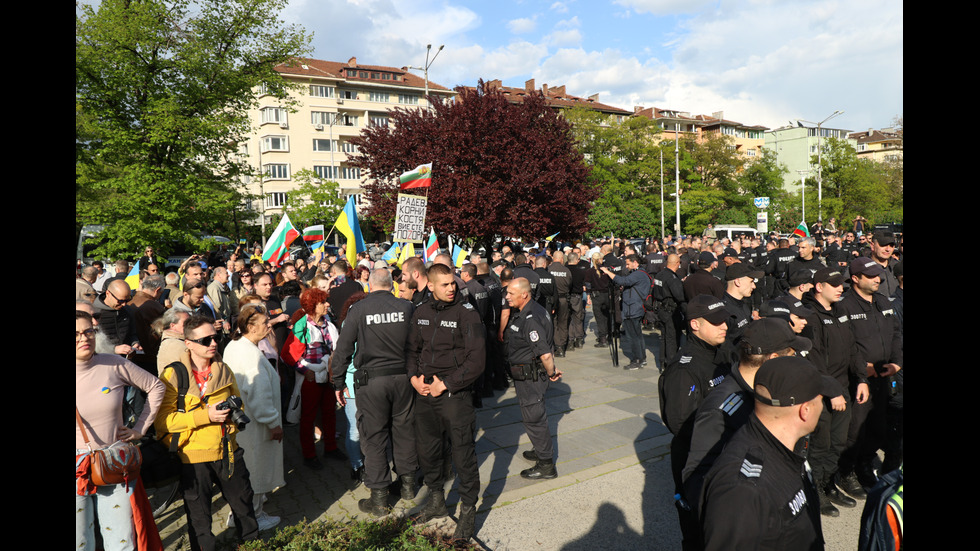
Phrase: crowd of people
{"type": "Point", "coordinates": [410, 351]}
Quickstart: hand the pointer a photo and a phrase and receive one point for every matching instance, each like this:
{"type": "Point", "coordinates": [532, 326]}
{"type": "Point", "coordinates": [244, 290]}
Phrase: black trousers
{"type": "Point", "coordinates": [827, 442]}
{"type": "Point", "coordinates": [455, 417]}
{"type": "Point", "coordinates": [385, 414]}
{"type": "Point", "coordinates": [196, 480]}
{"type": "Point", "coordinates": [576, 327]}
{"type": "Point", "coordinates": [600, 309]}
{"type": "Point", "coordinates": [530, 396]}
{"type": "Point", "coordinates": [670, 333]}
{"type": "Point", "coordinates": [561, 322]}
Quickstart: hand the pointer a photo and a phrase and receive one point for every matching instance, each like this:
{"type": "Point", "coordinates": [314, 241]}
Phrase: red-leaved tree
{"type": "Point", "coordinates": [499, 169]}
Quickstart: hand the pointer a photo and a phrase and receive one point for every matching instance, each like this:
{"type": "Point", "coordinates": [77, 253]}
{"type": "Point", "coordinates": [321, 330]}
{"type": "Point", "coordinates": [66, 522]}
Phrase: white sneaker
{"type": "Point", "coordinates": [231, 520]}
{"type": "Point", "coordinates": [267, 521]}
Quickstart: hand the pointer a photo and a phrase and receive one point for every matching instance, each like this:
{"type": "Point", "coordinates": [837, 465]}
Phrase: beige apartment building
{"type": "Point", "coordinates": [885, 145]}
{"type": "Point", "coordinates": [746, 139]}
{"type": "Point", "coordinates": [336, 102]}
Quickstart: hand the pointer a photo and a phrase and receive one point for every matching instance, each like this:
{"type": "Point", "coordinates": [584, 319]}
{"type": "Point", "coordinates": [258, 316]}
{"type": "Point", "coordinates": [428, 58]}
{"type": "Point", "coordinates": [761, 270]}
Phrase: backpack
{"type": "Point", "coordinates": [879, 532]}
{"type": "Point", "coordinates": [161, 466]}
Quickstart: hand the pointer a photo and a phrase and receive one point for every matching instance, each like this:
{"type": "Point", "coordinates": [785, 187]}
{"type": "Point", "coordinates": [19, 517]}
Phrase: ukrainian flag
{"type": "Point", "coordinates": [459, 256]}
{"type": "Point", "coordinates": [348, 225]}
{"type": "Point", "coordinates": [133, 278]}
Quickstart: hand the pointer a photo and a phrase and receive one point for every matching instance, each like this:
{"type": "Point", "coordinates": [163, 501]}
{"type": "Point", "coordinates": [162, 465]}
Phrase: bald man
{"type": "Point", "coordinates": [115, 319]}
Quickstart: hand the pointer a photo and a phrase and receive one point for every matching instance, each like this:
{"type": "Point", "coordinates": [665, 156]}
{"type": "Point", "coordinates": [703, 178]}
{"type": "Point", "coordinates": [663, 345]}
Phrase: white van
{"type": "Point", "coordinates": [731, 231]}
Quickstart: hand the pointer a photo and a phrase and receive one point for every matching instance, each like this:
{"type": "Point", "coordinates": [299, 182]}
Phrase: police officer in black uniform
{"type": "Point", "coordinates": [379, 325]}
{"type": "Point", "coordinates": [668, 294]}
{"type": "Point", "coordinates": [576, 304]}
{"type": "Point", "coordinates": [529, 336]}
{"type": "Point", "coordinates": [759, 493]}
{"type": "Point", "coordinates": [446, 355]}
{"type": "Point", "coordinates": [699, 366]}
{"type": "Point", "coordinates": [561, 276]}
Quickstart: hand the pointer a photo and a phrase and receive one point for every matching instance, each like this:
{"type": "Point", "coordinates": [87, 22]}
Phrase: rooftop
{"type": "Point", "coordinates": [554, 96]}
{"type": "Point", "coordinates": [351, 71]}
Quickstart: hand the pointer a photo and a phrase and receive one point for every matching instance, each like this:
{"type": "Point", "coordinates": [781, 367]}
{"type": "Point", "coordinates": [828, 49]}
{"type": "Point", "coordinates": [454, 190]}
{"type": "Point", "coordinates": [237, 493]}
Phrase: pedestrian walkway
{"type": "Point", "coordinates": [614, 489]}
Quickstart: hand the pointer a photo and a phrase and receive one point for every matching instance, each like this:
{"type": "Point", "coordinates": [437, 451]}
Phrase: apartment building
{"type": "Point", "coordinates": [556, 98]}
{"type": "Point", "coordinates": [336, 101]}
{"type": "Point", "coordinates": [794, 146]}
{"type": "Point", "coordinates": [880, 146]}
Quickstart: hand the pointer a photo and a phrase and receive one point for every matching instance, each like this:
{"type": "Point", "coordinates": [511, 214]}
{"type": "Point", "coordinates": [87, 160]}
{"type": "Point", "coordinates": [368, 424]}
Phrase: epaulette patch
{"type": "Point", "coordinates": [467, 305]}
{"type": "Point", "coordinates": [685, 359]}
{"type": "Point", "coordinates": [750, 469]}
{"type": "Point", "coordinates": [732, 403]}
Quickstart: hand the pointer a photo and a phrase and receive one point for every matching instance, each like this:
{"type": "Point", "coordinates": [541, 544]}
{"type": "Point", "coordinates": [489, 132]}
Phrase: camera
{"type": "Point", "coordinates": [237, 416]}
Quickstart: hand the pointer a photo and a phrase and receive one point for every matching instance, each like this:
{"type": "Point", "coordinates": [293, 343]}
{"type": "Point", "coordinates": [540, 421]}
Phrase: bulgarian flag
{"type": "Point", "coordinates": [420, 177]}
{"type": "Point", "coordinates": [802, 230]}
{"type": "Point", "coordinates": [278, 245]}
{"type": "Point", "coordinates": [313, 233]}
{"type": "Point", "coordinates": [432, 246]}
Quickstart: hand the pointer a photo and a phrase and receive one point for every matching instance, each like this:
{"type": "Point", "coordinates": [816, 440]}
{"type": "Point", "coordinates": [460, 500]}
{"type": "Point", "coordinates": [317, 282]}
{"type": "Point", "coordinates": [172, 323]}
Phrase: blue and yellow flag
{"type": "Point", "coordinates": [408, 251]}
{"type": "Point", "coordinates": [459, 256]}
{"type": "Point", "coordinates": [348, 225]}
{"type": "Point", "coordinates": [391, 255]}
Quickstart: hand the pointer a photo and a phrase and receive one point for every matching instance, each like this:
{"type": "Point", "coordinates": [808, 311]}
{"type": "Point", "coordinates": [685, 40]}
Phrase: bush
{"type": "Point", "coordinates": [367, 535]}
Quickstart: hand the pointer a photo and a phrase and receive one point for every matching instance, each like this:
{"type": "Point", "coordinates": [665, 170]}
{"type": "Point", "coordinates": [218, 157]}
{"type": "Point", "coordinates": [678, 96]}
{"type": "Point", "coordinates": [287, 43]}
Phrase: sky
{"type": "Point", "coordinates": [764, 62]}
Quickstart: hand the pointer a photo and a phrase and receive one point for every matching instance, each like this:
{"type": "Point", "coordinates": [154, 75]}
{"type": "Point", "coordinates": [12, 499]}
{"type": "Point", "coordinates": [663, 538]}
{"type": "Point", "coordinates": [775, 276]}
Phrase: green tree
{"type": "Point", "coordinates": [163, 89]}
{"type": "Point", "coordinates": [314, 201]}
{"type": "Point", "coordinates": [626, 164]}
{"type": "Point", "coordinates": [853, 186]}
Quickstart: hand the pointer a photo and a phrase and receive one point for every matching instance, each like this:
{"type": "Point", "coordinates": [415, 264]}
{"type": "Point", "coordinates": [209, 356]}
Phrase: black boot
{"type": "Point", "coordinates": [544, 468]}
{"type": "Point", "coordinates": [838, 497]}
{"type": "Point", "coordinates": [435, 507]}
{"type": "Point", "coordinates": [466, 525]}
{"type": "Point", "coordinates": [827, 508]}
{"type": "Point", "coordinates": [559, 351]}
{"type": "Point", "coordinates": [850, 485]}
{"type": "Point", "coordinates": [377, 504]}
{"type": "Point", "coordinates": [531, 456]}
{"type": "Point", "coordinates": [600, 343]}
{"type": "Point", "coordinates": [408, 490]}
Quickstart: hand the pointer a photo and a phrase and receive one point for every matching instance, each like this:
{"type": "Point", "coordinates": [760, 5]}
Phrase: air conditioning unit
{"type": "Point", "coordinates": [340, 101]}
{"type": "Point", "coordinates": [318, 126]}
{"type": "Point", "coordinates": [283, 125]}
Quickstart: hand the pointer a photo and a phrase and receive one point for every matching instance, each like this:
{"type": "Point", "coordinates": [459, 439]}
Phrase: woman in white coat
{"type": "Point", "coordinates": [259, 383]}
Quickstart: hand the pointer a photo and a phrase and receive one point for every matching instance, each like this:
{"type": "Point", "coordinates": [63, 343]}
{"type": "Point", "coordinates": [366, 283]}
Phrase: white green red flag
{"type": "Point", "coordinates": [312, 234]}
{"type": "Point", "coordinates": [278, 245]}
{"type": "Point", "coordinates": [421, 176]}
{"type": "Point", "coordinates": [802, 230]}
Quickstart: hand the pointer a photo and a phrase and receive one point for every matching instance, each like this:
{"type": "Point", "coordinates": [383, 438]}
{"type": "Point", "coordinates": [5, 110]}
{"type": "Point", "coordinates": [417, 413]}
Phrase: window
{"type": "Point", "coordinates": [275, 199]}
{"type": "Point", "coordinates": [323, 117]}
{"type": "Point", "coordinates": [750, 152]}
{"type": "Point", "coordinates": [350, 148]}
{"type": "Point", "coordinates": [862, 146]}
{"type": "Point", "coordinates": [348, 94]}
{"type": "Point", "coordinates": [378, 96]}
{"type": "Point", "coordinates": [326, 172]}
{"type": "Point", "coordinates": [278, 171]}
{"type": "Point", "coordinates": [320, 91]}
{"type": "Point", "coordinates": [262, 89]}
{"type": "Point", "coordinates": [350, 173]}
{"type": "Point", "coordinates": [273, 114]}
{"type": "Point", "coordinates": [408, 99]}
{"type": "Point", "coordinates": [347, 120]}
{"type": "Point", "coordinates": [275, 143]}
{"type": "Point", "coordinates": [379, 120]}
{"type": "Point", "coordinates": [324, 145]}
{"type": "Point", "coordinates": [357, 199]}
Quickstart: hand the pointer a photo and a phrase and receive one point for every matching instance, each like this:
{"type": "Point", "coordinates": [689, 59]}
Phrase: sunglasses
{"type": "Point", "coordinates": [204, 341]}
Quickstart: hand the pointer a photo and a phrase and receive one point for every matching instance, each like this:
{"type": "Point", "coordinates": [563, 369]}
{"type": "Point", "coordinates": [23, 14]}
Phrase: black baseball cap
{"type": "Point", "coordinates": [884, 238]}
{"type": "Point", "coordinates": [799, 277]}
{"type": "Point", "coordinates": [709, 308]}
{"type": "Point", "coordinates": [865, 266]}
{"type": "Point", "coordinates": [792, 380]}
{"type": "Point", "coordinates": [741, 269]}
{"type": "Point", "coordinates": [769, 335]}
{"type": "Point", "coordinates": [831, 275]}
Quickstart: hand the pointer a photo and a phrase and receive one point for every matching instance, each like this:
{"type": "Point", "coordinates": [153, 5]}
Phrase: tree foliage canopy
{"type": "Point", "coordinates": [162, 90]}
{"type": "Point", "coordinates": [314, 201]}
{"type": "Point", "coordinates": [499, 169]}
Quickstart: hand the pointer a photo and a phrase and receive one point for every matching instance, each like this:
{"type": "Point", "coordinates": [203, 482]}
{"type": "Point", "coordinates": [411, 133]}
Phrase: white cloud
{"type": "Point", "coordinates": [559, 7]}
{"type": "Point", "coordinates": [522, 26]}
{"type": "Point", "coordinates": [665, 7]}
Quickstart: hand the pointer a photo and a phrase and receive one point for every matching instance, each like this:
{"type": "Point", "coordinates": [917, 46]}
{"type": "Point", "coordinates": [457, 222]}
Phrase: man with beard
{"type": "Point", "coordinates": [414, 278]}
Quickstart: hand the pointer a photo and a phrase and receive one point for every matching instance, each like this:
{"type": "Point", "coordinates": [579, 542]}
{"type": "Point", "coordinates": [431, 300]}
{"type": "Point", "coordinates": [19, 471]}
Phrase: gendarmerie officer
{"type": "Point", "coordinates": [668, 294]}
{"type": "Point", "coordinates": [529, 337]}
{"type": "Point", "coordinates": [699, 366]}
{"type": "Point", "coordinates": [446, 355]}
{"type": "Point", "coordinates": [547, 295]}
{"type": "Point", "coordinates": [576, 304]}
{"type": "Point", "coordinates": [562, 278]}
{"type": "Point", "coordinates": [379, 326]}
{"type": "Point", "coordinates": [728, 407]}
{"type": "Point", "coordinates": [759, 494]}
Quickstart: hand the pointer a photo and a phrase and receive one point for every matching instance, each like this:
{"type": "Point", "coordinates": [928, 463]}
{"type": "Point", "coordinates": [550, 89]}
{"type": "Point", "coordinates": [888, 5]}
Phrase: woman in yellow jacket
{"type": "Point", "coordinates": [206, 430]}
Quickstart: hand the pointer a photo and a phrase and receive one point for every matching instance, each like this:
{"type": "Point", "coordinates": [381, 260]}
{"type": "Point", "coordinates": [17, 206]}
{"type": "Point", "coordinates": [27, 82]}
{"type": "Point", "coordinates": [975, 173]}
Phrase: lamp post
{"type": "Point", "coordinates": [425, 69]}
{"type": "Point", "coordinates": [677, 174]}
{"type": "Point", "coordinates": [803, 191]}
{"type": "Point", "coordinates": [820, 164]}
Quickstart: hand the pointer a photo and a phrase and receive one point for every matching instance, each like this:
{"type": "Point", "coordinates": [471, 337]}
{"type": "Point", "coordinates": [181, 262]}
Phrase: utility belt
{"type": "Point", "coordinates": [362, 376]}
{"type": "Point", "coordinates": [530, 371]}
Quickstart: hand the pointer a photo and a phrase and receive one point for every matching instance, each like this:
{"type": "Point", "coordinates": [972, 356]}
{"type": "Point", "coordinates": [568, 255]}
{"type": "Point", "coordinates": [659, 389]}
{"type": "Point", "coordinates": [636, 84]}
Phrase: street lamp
{"type": "Point", "coordinates": [677, 174]}
{"type": "Point", "coordinates": [820, 164]}
{"type": "Point", "coordinates": [803, 190]}
{"type": "Point", "coordinates": [428, 63]}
